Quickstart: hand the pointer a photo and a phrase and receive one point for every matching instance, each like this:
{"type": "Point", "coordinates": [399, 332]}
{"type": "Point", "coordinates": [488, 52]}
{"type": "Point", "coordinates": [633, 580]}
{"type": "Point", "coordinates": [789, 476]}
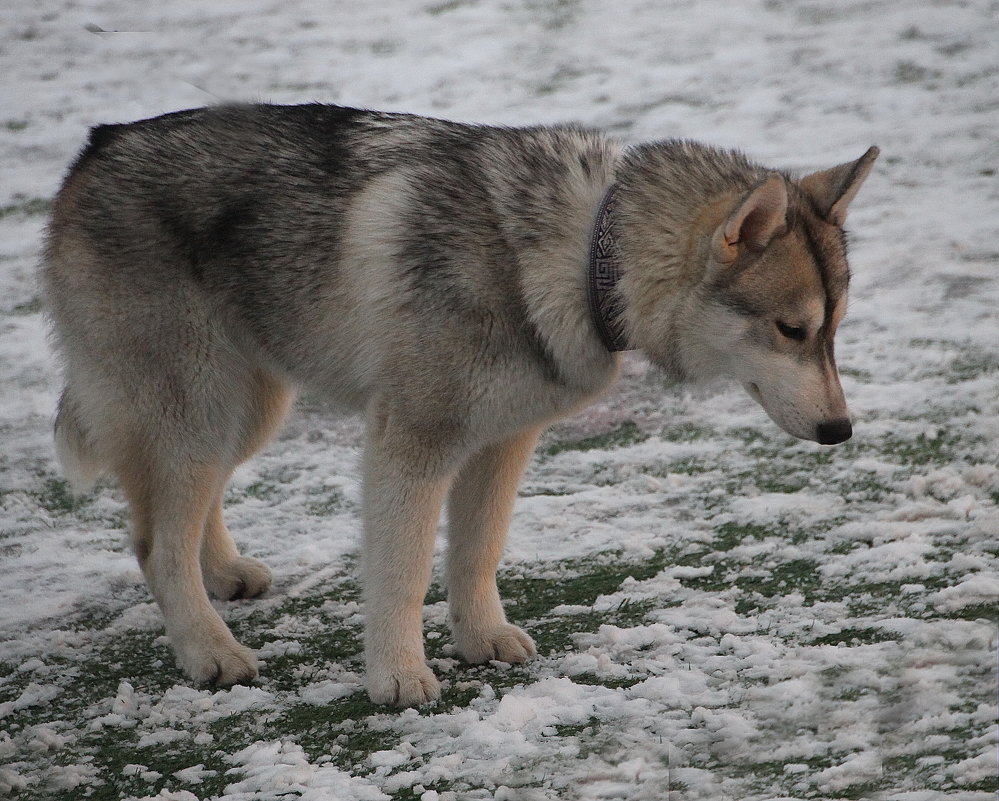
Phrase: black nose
{"type": "Point", "coordinates": [833, 433]}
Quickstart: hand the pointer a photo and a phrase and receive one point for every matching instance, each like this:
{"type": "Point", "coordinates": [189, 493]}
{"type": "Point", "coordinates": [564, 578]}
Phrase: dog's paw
{"type": "Point", "coordinates": [410, 686]}
{"type": "Point", "coordinates": [222, 664]}
{"type": "Point", "coordinates": [504, 642]}
{"type": "Point", "coordinates": [243, 577]}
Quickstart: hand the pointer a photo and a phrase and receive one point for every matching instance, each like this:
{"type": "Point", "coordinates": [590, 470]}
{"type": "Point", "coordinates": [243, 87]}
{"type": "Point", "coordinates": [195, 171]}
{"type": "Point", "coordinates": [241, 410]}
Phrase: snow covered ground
{"type": "Point", "coordinates": [722, 613]}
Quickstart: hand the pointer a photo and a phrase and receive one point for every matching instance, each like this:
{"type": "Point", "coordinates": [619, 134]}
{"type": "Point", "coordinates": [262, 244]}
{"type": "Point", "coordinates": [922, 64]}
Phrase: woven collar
{"type": "Point", "coordinates": [604, 273]}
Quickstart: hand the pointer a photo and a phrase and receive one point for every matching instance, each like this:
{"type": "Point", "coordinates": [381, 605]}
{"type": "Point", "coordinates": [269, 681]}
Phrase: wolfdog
{"type": "Point", "coordinates": [462, 286]}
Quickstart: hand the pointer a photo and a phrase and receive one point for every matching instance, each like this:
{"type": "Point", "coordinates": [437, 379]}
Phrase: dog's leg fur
{"type": "Point", "coordinates": [170, 507]}
{"type": "Point", "coordinates": [406, 475]}
{"type": "Point", "coordinates": [228, 575]}
{"type": "Point", "coordinates": [480, 507]}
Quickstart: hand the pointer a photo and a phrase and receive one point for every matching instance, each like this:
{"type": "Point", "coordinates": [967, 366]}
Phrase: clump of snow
{"type": "Point", "coordinates": [281, 768]}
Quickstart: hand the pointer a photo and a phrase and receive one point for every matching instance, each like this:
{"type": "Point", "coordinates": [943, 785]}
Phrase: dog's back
{"type": "Point", "coordinates": [317, 238]}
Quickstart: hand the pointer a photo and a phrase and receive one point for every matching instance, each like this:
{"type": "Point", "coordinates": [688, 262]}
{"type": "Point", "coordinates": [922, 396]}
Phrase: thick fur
{"type": "Point", "coordinates": [203, 265]}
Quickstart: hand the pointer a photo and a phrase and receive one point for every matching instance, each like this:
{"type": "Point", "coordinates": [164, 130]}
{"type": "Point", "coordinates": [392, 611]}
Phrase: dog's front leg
{"type": "Point", "coordinates": [405, 479]}
{"type": "Point", "coordinates": [479, 510]}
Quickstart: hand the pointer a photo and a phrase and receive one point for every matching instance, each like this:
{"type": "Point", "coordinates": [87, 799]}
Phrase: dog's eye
{"type": "Point", "coordinates": [791, 331]}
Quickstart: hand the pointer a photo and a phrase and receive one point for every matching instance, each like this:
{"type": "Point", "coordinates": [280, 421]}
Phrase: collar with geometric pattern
{"type": "Point", "coordinates": [604, 273]}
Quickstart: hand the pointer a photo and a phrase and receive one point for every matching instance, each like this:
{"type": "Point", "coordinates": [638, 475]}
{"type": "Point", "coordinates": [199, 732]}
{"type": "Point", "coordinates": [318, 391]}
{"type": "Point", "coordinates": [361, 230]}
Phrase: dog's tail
{"type": "Point", "coordinates": [74, 448]}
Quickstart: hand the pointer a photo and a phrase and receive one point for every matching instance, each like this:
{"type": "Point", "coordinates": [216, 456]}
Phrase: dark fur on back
{"type": "Point", "coordinates": [250, 200]}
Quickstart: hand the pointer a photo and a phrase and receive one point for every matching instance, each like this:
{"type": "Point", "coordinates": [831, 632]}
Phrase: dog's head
{"type": "Point", "coordinates": [764, 286]}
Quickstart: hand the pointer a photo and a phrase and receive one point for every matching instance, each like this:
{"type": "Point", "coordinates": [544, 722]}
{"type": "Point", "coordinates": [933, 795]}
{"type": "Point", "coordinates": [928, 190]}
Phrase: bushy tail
{"type": "Point", "coordinates": [74, 449]}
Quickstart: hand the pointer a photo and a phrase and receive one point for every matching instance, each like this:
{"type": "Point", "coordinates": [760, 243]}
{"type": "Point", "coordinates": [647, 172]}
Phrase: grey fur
{"type": "Point", "coordinates": [432, 275]}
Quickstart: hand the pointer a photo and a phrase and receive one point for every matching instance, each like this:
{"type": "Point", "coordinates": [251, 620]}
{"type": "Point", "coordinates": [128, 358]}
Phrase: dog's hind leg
{"type": "Point", "coordinates": [228, 575]}
{"type": "Point", "coordinates": [170, 500]}
{"type": "Point", "coordinates": [480, 507]}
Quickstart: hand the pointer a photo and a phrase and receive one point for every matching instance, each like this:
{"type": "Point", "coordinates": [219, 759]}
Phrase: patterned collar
{"type": "Point", "coordinates": [604, 273]}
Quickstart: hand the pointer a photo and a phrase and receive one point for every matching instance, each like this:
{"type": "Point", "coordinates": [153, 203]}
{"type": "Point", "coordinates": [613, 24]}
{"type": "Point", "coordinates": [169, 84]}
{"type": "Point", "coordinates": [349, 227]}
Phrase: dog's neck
{"type": "Point", "coordinates": [604, 273]}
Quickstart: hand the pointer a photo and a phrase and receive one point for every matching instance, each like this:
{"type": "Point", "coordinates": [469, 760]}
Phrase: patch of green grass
{"type": "Point", "coordinates": [27, 208]}
{"type": "Point", "coordinates": [772, 472]}
{"type": "Point", "coordinates": [112, 748]}
{"type": "Point", "coordinates": [775, 769]}
{"type": "Point", "coordinates": [459, 694]}
{"type": "Point", "coordinates": [748, 436]}
{"type": "Point", "coordinates": [921, 449]}
{"type": "Point", "coordinates": [972, 361]}
{"type": "Point", "coordinates": [332, 645]}
{"type": "Point", "coordinates": [860, 792]}
{"type": "Point", "coordinates": [338, 729]}
{"type": "Point", "coordinates": [972, 364]}
{"type": "Point", "coordinates": [326, 502]}
{"type": "Point", "coordinates": [990, 784]}
{"type": "Point", "coordinates": [783, 469]}
{"type": "Point", "coordinates": [778, 468]}
{"type": "Point", "coordinates": [32, 306]}
{"type": "Point", "coordinates": [262, 490]}
{"type": "Point", "coordinates": [870, 598]}
{"type": "Point", "coordinates": [730, 535]}
{"type": "Point", "coordinates": [865, 488]}
{"type": "Point", "coordinates": [627, 433]}
{"type": "Point", "coordinates": [611, 682]}
{"type": "Point", "coordinates": [855, 636]}
{"type": "Point", "coordinates": [581, 584]}
{"type": "Point", "coordinates": [985, 611]}
{"type": "Point", "coordinates": [337, 733]}
{"type": "Point", "coordinates": [55, 496]}
{"type": "Point", "coordinates": [325, 638]}
{"type": "Point", "coordinates": [529, 600]}
{"type": "Point", "coordinates": [133, 656]}
{"type": "Point", "coordinates": [796, 575]}
{"type": "Point", "coordinates": [689, 466]}
{"type": "Point", "coordinates": [86, 683]}
{"type": "Point", "coordinates": [576, 729]}
{"type": "Point", "coordinates": [553, 635]}
{"type": "Point", "coordinates": [686, 432]}
{"type": "Point", "coordinates": [468, 680]}
{"type": "Point", "coordinates": [96, 615]}
{"type": "Point", "coordinates": [551, 492]}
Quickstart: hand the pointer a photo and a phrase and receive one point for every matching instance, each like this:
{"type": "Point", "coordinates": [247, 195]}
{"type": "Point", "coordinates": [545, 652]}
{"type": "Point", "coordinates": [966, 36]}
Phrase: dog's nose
{"type": "Point", "coordinates": [833, 433]}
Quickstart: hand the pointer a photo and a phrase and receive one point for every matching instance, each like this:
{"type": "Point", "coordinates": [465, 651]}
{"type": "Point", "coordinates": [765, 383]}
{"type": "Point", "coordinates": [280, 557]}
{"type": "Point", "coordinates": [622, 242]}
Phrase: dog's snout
{"type": "Point", "coordinates": [833, 433]}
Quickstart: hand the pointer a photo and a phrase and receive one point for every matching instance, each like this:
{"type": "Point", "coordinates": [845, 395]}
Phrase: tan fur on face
{"type": "Point", "coordinates": [796, 382]}
{"type": "Point", "coordinates": [718, 264]}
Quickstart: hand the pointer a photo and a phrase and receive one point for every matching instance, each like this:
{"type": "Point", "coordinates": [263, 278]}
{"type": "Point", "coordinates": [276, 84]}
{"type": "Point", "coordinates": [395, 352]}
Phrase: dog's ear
{"type": "Point", "coordinates": [834, 189]}
{"type": "Point", "coordinates": [754, 221]}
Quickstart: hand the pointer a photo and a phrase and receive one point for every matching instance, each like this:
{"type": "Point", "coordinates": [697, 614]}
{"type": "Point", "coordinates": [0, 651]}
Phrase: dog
{"type": "Point", "coordinates": [462, 286]}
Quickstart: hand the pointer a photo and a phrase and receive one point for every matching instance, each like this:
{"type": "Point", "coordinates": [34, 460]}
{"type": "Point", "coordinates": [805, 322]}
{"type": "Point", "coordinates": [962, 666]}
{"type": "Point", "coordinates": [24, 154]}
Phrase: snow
{"type": "Point", "coordinates": [871, 670]}
{"type": "Point", "coordinates": [281, 768]}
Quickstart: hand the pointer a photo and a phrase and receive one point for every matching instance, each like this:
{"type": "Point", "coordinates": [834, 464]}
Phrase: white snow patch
{"type": "Point", "coordinates": [281, 767]}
